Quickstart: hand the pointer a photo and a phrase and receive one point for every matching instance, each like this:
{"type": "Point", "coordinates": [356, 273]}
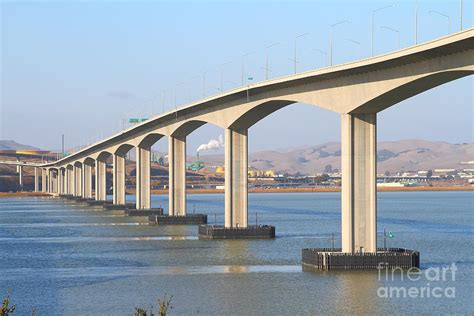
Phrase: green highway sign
{"type": "Point", "coordinates": [137, 120]}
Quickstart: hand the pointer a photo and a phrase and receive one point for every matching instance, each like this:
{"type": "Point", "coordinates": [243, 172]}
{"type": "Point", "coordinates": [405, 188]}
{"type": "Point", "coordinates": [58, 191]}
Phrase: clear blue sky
{"type": "Point", "coordinates": [80, 68]}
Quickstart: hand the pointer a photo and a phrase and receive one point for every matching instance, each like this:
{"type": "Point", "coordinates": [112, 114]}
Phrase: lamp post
{"type": "Point", "coordinates": [373, 22]}
{"type": "Point", "coordinates": [393, 30]}
{"type": "Point", "coordinates": [416, 22]}
{"type": "Point", "coordinates": [204, 84]}
{"type": "Point", "coordinates": [243, 65]}
{"type": "Point", "coordinates": [353, 42]}
{"type": "Point", "coordinates": [222, 75]}
{"type": "Point", "coordinates": [296, 38]}
{"type": "Point", "coordinates": [460, 7]}
{"type": "Point", "coordinates": [330, 37]}
{"type": "Point", "coordinates": [163, 100]}
{"type": "Point", "coordinates": [266, 62]}
{"type": "Point", "coordinates": [323, 53]}
{"type": "Point", "coordinates": [445, 16]}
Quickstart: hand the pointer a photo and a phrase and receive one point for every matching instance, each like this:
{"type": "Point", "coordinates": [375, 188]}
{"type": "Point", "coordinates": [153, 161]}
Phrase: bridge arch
{"type": "Point", "coordinates": [103, 155]}
{"type": "Point", "coordinates": [149, 140]}
{"type": "Point", "coordinates": [409, 89]}
{"type": "Point", "coordinates": [123, 149]}
{"type": "Point", "coordinates": [89, 161]}
{"type": "Point", "coordinates": [257, 113]}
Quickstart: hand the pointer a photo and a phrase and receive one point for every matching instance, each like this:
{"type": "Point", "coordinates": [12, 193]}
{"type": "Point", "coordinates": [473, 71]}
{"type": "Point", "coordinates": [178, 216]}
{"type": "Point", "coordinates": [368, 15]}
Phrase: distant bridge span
{"type": "Point", "coordinates": [357, 90]}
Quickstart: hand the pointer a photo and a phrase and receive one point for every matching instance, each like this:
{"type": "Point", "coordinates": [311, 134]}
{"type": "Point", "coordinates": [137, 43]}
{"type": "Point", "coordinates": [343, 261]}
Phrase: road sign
{"type": "Point", "coordinates": [137, 120]}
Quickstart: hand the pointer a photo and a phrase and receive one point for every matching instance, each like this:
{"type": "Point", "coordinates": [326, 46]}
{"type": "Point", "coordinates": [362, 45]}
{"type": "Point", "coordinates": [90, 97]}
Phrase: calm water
{"type": "Point", "coordinates": [65, 259]}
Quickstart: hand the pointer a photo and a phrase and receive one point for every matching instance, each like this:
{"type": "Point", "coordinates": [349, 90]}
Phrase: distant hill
{"type": "Point", "coordinates": [392, 156]}
{"type": "Point", "coordinates": [12, 145]}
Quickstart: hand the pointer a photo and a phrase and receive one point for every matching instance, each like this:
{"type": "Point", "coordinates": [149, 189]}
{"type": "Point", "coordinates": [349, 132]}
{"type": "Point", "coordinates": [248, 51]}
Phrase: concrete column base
{"type": "Point", "coordinates": [334, 258]}
{"type": "Point", "coordinates": [188, 219]}
{"type": "Point", "coordinates": [249, 232]}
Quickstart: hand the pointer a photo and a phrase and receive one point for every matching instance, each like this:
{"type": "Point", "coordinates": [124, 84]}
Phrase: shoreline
{"type": "Point", "coordinates": [281, 190]}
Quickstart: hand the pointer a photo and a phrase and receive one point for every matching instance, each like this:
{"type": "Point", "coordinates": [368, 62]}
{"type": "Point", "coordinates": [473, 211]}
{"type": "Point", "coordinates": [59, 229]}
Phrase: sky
{"type": "Point", "coordinates": [84, 68]}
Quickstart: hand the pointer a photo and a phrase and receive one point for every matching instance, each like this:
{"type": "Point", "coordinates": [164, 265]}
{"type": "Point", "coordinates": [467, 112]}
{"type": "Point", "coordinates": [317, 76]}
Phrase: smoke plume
{"type": "Point", "coordinates": [213, 144]}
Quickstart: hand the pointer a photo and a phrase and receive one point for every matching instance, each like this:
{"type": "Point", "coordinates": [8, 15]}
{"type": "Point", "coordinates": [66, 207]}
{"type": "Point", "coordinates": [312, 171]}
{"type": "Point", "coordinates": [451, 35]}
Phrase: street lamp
{"type": "Point", "coordinates": [323, 53]}
{"type": "Point", "coordinates": [445, 16]}
{"type": "Point", "coordinates": [330, 37]}
{"type": "Point", "coordinates": [222, 75]}
{"type": "Point", "coordinates": [393, 30]}
{"type": "Point", "coordinates": [296, 38]}
{"type": "Point", "coordinates": [266, 63]}
{"type": "Point", "coordinates": [416, 23]}
{"type": "Point", "coordinates": [163, 96]}
{"type": "Point", "coordinates": [373, 20]}
{"type": "Point", "coordinates": [352, 41]}
{"type": "Point", "coordinates": [243, 61]}
{"type": "Point", "coordinates": [204, 84]}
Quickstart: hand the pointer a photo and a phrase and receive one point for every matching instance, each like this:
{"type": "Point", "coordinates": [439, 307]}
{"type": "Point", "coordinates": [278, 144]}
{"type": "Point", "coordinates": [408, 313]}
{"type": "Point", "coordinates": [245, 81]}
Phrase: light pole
{"type": "Point", "coordinates": [445, 16]}
{"type": "Point", "coordinates": [393, 30]}
{"type": "Point", "coordinates": [222, 75]}
{"type": "Point", "coordinates": [163, 100]}
{"type": "Point", "coordinates": [460, 7]}
{"type": "Point", "coordinates": [204, 84]}
{"type": "Point", "coordinates": [243, 62]}
{"type": "Point", "coordinates": [373, 20]}
{"type": "Point", "coordinates": [353, 42]}
{"type": "Point", "coordinates": [416, 22]}
{"type": "Point", "coordinates": [330, 38]}
{"type": "Point", "coordinates": [324, 53]}
{"type": "Point", "coordinates": [266, 62]}
{"type": "Point", "coordinates": [296, 38]}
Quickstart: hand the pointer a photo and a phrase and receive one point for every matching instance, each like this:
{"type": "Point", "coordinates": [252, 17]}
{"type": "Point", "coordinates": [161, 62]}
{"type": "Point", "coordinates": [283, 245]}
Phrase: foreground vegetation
{"type": "Point", "coordinates": [164, 305]}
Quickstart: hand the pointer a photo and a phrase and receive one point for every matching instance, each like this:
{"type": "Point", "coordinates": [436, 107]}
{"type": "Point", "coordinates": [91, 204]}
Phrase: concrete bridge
{"type": "Point", "coordinates": [357, 90]}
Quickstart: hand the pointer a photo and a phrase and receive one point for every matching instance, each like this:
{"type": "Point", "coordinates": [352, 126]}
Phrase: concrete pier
{"type": "Point", "coordinates": [177, 175]}
{"type": "Point", "coordinates": [335, 259]}
{"type": "Point", "coordinates": [43, 180]}
{"type": "Point", "coordinates": [78, 179]}
{"type": "Point", "coordinates": [100, 179]}
{"type": "Point", "coordinates": [36, 179]}
{"type": "Point", "coordinates": [359, 182]}
{"type": "Point", "coordinates": [143, 178]}
{"type": "Point", "coordinates": [87, 181]}
{"type": "Point", "coordinates": [118, 179]}
{"type": "Point", "coordinates": [189, 219]}
{"type": "Point", "coordinates": [249, 232]}
{"type": "Point", "coordinates": [236, 186]}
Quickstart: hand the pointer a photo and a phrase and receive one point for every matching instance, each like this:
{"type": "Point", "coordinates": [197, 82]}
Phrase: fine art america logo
{"type": "Point", "coordinates": [433, 282]}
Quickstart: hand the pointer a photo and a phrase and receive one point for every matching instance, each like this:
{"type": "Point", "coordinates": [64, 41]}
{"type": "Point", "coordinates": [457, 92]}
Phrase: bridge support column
{"type": "Point", "coordinates": [60, 181]}
{"type": "Point", "coordinates": [36, 180]}
{"type": "Point", "coordinates": [119, 179]}
{"type": "Point", "coordinates": [359, 182]}
{"type": "Point", "coordinates": [236, 177]}
{"type": "Point", "coordinates": [43, 180]}
{"type": "Point", "coordinates": [177, 175]}
{"type": "Point", "coordinates": [66, 181]}
{"type": "Point", "coordinates": [70, 181]}
{"type": "Point", "coordinates": [20, 176]}
{"type": "Point", "coordinates": [100, 180]}
{"type": "Point", "coordinates": [56, 182]}
{"type": "Point", "coordinates": [78, 180]}
{"type": "Point", "coordinates": [87, 181]}
{"type": "Point", "coordinates": [143, 178]}
{"type": "Point", "coordinates": [50, 181]}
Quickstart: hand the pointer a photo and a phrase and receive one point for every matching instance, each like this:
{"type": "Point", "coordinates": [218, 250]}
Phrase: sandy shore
{"type": "Point", "coordinates": [18, 194]}
{"type": "Point", "coordinates": [281, 190]}
{"type": "Point", "coordinates": [310, 190]}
